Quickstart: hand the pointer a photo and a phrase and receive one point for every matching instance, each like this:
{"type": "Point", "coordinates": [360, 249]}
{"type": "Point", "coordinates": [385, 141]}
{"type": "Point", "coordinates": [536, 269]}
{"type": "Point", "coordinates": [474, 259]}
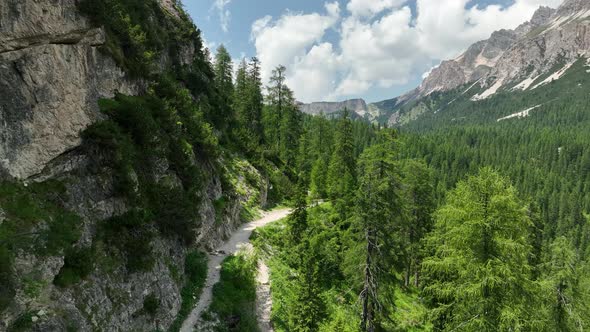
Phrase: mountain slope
{"type": "Point", "coordinates": [535, 54]}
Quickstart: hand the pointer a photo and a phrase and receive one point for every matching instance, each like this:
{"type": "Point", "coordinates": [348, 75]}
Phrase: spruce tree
{"type": "Point", "coordinates": [341, 170]}
{"type": "Point", "coordinates": [420, 195]}
{"type": "Point", "coordinates": [224, 86]}
{"type": "Point", "coordinates": [377, 222]}
{"type": "Point", "coordinates": [255, 100]}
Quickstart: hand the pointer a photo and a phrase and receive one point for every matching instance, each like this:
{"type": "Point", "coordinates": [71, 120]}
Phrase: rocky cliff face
{"type": "Point", "coordinates": [357, 106]}
{"type": "Point", "coordinates": [52, 74]}
{"type": "Point", "coordinates": [543, 54]}
{"type": "Point", "coordinates": [479, 59]}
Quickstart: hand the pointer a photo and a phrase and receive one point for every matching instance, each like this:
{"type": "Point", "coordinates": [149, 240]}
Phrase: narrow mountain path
{"type": "Point", "coordinates": [239, 240]}
{"type": "Point", "coordinates": [263, 298]}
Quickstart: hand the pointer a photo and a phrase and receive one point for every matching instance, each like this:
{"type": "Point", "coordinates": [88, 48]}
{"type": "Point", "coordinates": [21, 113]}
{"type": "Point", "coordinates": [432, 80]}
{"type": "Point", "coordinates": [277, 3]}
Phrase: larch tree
{"type": "Point", "coordinates": [567, 292]}
{"type": "Point", "coordinates": [284, 123]}
{"type": "Point", "coordinates": [479, 274]}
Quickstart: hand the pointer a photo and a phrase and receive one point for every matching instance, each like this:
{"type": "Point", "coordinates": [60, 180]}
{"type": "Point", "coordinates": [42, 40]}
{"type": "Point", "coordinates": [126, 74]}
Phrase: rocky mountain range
{"type": "Point", "coordinates": [535, 53]}
{"type": "Point", "coordinates": [356, 106]}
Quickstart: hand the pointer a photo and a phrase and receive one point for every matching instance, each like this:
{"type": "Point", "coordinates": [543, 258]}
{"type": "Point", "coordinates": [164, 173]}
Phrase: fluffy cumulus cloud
{"type": "Point", "coordinates": [291, 38]}
{"type": "Point", "coordinates": [380, 43]}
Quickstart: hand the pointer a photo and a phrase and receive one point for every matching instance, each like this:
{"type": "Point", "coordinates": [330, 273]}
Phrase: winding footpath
{"type": "Point", "coordinates": [239, 240]}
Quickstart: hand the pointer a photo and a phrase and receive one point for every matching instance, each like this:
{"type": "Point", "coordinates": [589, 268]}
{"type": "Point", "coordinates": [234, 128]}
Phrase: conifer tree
{"type": "Point", "coordinates": [341, 170]}
{"type": "Point", "coordinates": [283, 124]}
{"type": "Point", "coordinates": [224, 85]}
{"type": "Point", "coordinates": [309, 307]}
{"type": "Point", "coordinates": [420, 195]}
{"type": "Point", "coordinates": [378, 220]}
{"type": "Point", "coordinates": [479, 275]}
{"type": "Point", "coordinates": [254, 100]}
{"type": "Point", "coordinates": [568, 294]}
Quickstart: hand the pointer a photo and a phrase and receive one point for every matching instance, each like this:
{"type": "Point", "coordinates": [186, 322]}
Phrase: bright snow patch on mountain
{"type": "Point", "coordinates": [555, 76]}
{"type": "Point", "coordinates": [470, 87]}
{"type": "Point", "coordinates": [522, 114]}
{"type": "Point", "coordinates": [526, 83]}
{"type": "Point", "coordinates": [489, 92]}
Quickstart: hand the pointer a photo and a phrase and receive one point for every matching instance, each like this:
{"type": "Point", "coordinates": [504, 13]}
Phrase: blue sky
{"type": "Point", "coordinates": [339, 49]}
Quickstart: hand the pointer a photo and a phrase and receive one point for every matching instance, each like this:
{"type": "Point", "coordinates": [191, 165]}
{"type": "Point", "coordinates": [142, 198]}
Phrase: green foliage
{"type": "Point", "coordinates": [219, 206]}
{"type": "Point", "coordinates": [282, 119]}
{"type": "Point", "coordinates": [234, 295]}
{"type": "Point", "coordinates": [151, 304]}
{"type": "Point", "coordinates": [140, 31]}
{"type": "Point", "coordinates": [479, 277]}
{"type": "Point", "coordinates": [340, 180]}
{"type": "Point", "coordinates": [195, 269]}
{"type": "Point", "coordinates": [224, 85]}
{"type": "Point", "coordinates": [23, 323]}
{"type": "Point", "coordinates": [63, 232]}
{"type": "Point", "coordinates": [419, 191]}
{"type": "Point", "coordinates": [302, 272]}
{"type": "Point", "coordinates": [7, 290]}
{"type": "Point", "coordinates": [78, 264]}
{"type": "Point", "coordinates": [166, 123]}
{"type": "Point", "coordinates": [378, 221]}
{"type": "Point", "coordinates": [567, 293]}
{"type": "Point", "coordinates": [131, 233]}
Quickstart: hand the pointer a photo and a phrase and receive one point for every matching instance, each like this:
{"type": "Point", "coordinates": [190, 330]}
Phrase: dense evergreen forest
{"type": "Point", "coordinates": [478, 226]}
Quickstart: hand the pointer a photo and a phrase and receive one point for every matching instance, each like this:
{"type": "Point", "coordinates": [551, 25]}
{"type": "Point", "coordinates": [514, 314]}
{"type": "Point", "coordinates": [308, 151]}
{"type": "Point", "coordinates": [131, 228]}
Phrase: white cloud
{"type": "Point", "coordinates": [313, 81]}
{"type": "Point", "coordinates": [380, 44]}
{"type": "Point", "coordinates": [224, 14]}
{"type": "Point", "coordinates": [368, 8]}
{"type": "Point", "coordinates": [287, 39]}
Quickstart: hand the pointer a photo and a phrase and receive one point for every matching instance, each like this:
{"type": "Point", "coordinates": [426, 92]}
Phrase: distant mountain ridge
{"type": "Point", "coordinates": [357, 106]}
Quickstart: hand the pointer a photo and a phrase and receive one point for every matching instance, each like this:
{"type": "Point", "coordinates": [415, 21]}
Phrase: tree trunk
{"type": "Point", "coordinates": [368, 291]}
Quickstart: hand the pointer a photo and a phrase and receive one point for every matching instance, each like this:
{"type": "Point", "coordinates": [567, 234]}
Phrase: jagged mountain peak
{"type": "Point", "coordinates": [536, 53]}
{"type": "Point", "coordinates": [542, 16]}
{"type": "Point", "coordinates": [477, 62]}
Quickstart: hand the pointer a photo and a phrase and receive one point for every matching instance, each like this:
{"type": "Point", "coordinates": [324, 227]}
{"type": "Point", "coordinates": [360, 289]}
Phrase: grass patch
{"type": "Point", "coordinates": [195, 266]}
{"type": "Point", "coordinates": [234, 297]}
{"type": "Point", "coordinates": [219, 205]}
